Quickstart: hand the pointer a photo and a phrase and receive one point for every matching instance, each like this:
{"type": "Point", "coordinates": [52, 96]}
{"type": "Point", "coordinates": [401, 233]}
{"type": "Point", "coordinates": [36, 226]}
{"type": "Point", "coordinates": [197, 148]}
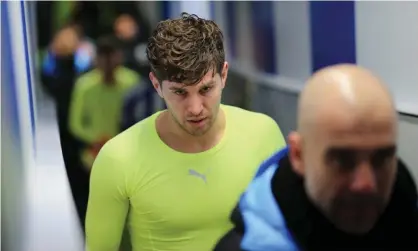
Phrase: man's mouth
{"type": "Point", "coordinates": [197, 121]}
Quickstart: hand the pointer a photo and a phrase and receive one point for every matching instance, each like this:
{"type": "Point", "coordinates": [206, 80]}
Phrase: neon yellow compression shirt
{"type": "Point", "coordinates": [171, 200]}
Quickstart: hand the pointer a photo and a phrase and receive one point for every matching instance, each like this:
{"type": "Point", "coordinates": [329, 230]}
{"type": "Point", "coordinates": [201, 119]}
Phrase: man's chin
{"type": "Point", "coordinates": [197, 129]}
{"type": "Point", "coordinates": [356, 229]}
{"type": "Point", "coordinates": [357, 226]}
{"type": "Point", "coordinates": [197, 133]}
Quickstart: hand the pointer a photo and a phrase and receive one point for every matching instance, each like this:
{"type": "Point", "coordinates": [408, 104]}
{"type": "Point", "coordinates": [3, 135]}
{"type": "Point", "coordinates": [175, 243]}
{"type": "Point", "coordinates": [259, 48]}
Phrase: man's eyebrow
{"type": "Point", "coordinates": [390, 149]}
{"type": "Point", "coordinates": [175, 88]}
{"type": "Point", "coordinates": [182, 87]}
{"type": "Point", "coordinates": [345, 150]}
{"type": "Point", "coordinates": [209, 82]}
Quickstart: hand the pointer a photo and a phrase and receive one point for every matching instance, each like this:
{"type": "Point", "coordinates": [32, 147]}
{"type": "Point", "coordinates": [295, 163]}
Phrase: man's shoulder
{"type": "Point", "coordinates": [88, 76]}
{"type": "Point", "coordinates": [263, 131]}
{"type": "Point", "coordinates": [88, 80]}
{"type": "Point", "coordinates": [246, 117]}
{"type": "Point", "coordinates": [136, 138]}
{"type": "Point", "coordinates": [128, 74]}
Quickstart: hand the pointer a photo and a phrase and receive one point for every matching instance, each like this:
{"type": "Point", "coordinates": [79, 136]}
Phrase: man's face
{"type": "Point", "coordinates": [350, 169]}
{"type": "Point", "coordinates": [125, 27]}
{"type": "Point", "coordinates": [194, 108]}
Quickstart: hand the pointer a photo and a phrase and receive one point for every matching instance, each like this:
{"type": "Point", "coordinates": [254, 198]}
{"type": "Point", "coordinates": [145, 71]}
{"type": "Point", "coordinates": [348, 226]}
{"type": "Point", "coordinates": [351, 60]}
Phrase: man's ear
{"type": "Point", "coordinates": [296, 153]}
{"type": "Point", "coordinates": [156, 84]}
{"type": "Point", "coordinates": [224, 74]}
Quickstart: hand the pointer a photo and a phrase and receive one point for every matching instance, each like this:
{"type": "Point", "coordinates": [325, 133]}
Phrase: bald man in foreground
{"type": "Point", "coordinates": [339, 185]}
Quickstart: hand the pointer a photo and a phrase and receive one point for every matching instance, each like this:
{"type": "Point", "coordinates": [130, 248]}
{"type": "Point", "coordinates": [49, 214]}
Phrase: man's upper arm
{"type": "Point", "coordinates": [108, 202]}
{"type": "Point", "coordinates": [76, 112]}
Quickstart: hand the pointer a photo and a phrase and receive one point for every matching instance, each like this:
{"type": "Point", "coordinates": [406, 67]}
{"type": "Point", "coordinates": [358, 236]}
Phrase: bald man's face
{"type": "Point", "coordinates": [349, 165]}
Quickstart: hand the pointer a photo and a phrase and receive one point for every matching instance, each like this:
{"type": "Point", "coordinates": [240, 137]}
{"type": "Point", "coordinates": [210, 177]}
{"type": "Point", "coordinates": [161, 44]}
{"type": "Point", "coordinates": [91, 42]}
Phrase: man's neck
{"type": "Point", "coordinates": [175, 137]}
{"type": "Point", "coordinates": [109, 79]}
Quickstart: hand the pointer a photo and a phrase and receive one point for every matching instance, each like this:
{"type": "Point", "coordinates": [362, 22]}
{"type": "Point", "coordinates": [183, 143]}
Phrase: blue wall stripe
{"type": "Point", "coordinates": [332, 33]}
{"type": "Point", "coordinates": [262, 19]}
{"type": "Point", "coordinates": [166, 9]}
{"type": "Point", "coordinates": [28, 69]}
{"type": "Point", "coordinates": [8, 76]}
{"type": "Point", "coordinates": [212, 10]}
{"type": "Point", "coordinates": [231, 27]}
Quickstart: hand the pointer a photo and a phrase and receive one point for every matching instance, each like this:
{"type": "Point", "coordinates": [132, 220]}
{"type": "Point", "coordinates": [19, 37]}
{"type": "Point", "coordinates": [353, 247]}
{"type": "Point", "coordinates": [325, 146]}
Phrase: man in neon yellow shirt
{"type": "Point", "coordinates": [174, 178]}
{"type": "Point", "coordinates": [95, 112]}
{"type": "Point", "coordinates": [97, 99]}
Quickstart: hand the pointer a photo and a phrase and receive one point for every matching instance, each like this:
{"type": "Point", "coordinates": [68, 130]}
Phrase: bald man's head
{"type": "Point", "coordinates": [340, 93]}
{"type": "Point", "coordinates": [345, 145]}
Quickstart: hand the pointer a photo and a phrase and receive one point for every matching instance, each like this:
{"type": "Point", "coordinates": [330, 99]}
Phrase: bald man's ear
{"type": "Point", "coordinates": [296, 153]}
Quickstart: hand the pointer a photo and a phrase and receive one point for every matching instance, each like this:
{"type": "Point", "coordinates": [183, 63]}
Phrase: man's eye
{"type": "Point", "coordinates": [179, 92]}
{"type": "Point", "coordinates": [206, 89]}
{"type": "Point", "coordinates": [382, 159]}
{"type": "Point", "coordinates": [343, 161]}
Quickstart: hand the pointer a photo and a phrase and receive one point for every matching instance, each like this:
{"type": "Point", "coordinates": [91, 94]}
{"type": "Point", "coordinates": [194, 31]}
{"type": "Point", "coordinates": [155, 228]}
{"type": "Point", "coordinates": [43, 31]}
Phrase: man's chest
{"type": "Point", "coordinates": [189, 195]}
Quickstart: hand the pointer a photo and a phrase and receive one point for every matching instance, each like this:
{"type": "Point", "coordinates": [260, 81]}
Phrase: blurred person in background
{"type": "Point", "coordinates": [133, 39]}
{"type": "Point", "coordinates": [52, 16]}
{"type": "Point", "coordinates": [138, 104]}
{"type": "Point", "coordinates": [71, 52]}
{"type": "Point", "coordinates": [67, 57]}
{"type": "Point", "coordinates": [121, 18]}
{"type": "Point", "coordinates": [96, 106]}
{"type": "Point", "coordinates": [173, 178]}
{"type": "Point", "coordinates": [101, 17]}
{"type": "Point", "coordinates": [95, 19]}
{"type": "Point", "coordinates": [339, 185]}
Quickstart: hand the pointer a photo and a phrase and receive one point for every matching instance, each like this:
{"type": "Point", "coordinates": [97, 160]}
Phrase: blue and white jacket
{"type": "Point", "coordinates": [274, 214]}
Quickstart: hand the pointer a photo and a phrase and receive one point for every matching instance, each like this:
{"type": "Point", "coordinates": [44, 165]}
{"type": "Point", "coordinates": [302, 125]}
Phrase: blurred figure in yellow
{"type": "Point", "coordinates": [97, 101]}
{"type": "Point", "coordinates": [95, 109]}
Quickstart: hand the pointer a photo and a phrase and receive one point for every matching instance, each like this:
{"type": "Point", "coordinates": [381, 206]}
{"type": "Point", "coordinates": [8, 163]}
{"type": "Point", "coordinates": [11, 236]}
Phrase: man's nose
{"type": "Point", "coordinates": [194, 105]}
{"type": "Point", "coordinates": [364, 179]}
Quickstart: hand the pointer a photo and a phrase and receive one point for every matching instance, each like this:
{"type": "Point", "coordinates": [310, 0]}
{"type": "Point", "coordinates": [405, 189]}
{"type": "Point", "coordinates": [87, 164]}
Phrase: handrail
{"type": "Point", "coordinates": [274, 81]}
{"type": "Point", "coordinates": [285, 84]}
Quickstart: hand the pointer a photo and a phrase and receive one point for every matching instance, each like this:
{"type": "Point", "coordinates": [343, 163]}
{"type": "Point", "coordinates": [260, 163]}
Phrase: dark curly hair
{"type": "Point", "coordinates": [184, 50]}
